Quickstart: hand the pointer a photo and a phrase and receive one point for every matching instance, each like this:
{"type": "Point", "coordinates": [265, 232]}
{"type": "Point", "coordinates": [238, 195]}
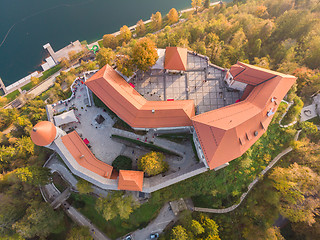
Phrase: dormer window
{"type": "Point", "coordinates": [270, 112]}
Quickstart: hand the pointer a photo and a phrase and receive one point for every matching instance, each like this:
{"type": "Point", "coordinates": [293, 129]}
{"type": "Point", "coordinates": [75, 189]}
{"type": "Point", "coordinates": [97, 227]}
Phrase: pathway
{"type": "Point", "coordinates": [56, 166]}
{"type": "Point", "coordinates": [251, 185]}
{"type": "Point", "coordinates": [157, 225]}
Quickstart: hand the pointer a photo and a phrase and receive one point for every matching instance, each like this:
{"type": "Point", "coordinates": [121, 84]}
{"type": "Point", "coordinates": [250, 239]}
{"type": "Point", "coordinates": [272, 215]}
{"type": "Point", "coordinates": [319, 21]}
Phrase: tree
{"type": "Point", "coordinates": [206, 3]}
{"type": "Point", "coordinates": [35, 80]}
{"type": "Point", "coordinates": [125, 65]}
{"type": "Point", "coordinates": [105, 56]}
{"type": "Point", "coordinates": [210, 227]}
{"type": "Point", "coordinates": [40, 220]}
{"type": "Point", "coordinates": [196, 4]}
{"type": "Point", "coordinates": [196, 227]}
{"type": "Point", "coordinates": [179, 233]}
{"type": "Point", "coordinates": [116, 204]}
{"type": "Point", "coordinates": [144, 54]}
{"type": "Point", "coordinates": [84, 187]}
{"type": "Point", "coordinates": [299, 188]}
{"type": "Point", "coordinates": [125, 34]}
{"type": "Point", "coordinates": [64, 62]}
{"type": "Point", "coordinates": [73, 55]}
{"type": "Point", "coordinates": [79, 233]}
{"type": "Point", "coordinates": [24, 145]}
{"type": "Point", "coordinates": [122, 163]}
{"type": "Point", "coordinates": [110, 41]}
{"type": "Point", "coordinates": [156, 21]}
{"type": "Point", "coordinates": [141, 28]}
{"type": "Point", "coordinates": [173, 16]}
{"type": "Point", "coordinates": [34, 175]}
{"type": "Point", "coordinates": [152, 163]}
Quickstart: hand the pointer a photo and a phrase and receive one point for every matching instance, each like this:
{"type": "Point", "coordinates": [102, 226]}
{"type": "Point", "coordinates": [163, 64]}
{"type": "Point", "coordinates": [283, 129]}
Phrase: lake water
{"type": "Point", "coordinates": [34, 23]}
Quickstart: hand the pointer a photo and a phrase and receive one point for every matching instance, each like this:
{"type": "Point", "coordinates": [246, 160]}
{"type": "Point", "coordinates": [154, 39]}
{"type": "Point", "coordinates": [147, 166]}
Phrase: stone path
{"type": "Point", "coordinates": [251, 185]}
{"type": "Point", "coordinates": [157, 225]}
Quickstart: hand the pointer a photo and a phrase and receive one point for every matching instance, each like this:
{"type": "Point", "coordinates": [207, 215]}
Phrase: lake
{"type": "Point", "coordinates": [34, 23]}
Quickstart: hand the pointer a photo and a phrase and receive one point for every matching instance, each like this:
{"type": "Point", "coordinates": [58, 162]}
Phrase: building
{"type": "Point", "coordinates": [221, 132]}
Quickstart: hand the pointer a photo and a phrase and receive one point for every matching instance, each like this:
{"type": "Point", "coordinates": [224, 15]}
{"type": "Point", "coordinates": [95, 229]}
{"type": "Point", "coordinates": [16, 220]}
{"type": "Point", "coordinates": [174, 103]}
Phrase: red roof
{"type": "Point", "coordinates": [43, 133]}
{"type": "Point", "coordinates": [226, 133]}
{"type": "Point", "coordinates": [134, 109]}
{"type": "Point", "coordinates": [130, 180]}
{"type": "Point", "coordinates": [176, 58]}
{"type": "Point", "coordinates": [84, 156]}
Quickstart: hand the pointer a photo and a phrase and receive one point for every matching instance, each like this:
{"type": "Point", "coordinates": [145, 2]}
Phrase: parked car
{"type": "Point", "coordinates": [154, 235]}
{"type": "Point", "coordinates": [129, 237]}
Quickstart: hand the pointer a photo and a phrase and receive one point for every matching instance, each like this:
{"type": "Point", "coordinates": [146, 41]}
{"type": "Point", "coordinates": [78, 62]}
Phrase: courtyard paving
{"type": "Point", "coordinates": [202, 83]}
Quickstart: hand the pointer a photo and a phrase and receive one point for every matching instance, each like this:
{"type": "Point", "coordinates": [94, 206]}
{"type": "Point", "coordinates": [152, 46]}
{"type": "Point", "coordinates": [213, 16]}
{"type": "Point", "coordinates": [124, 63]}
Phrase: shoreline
{"type": "Point", "coordinates": [14, 84]}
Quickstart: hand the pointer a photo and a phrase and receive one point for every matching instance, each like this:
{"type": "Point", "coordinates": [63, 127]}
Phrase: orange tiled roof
{"type": "Point", "coordinates": [176, 58]}
{"type": "Point", "coordinates": [134, 109]}
{"type": "Point", "coordinates": [84, 156]}
{"type": "Point", "coordinates": [130, 180]}
{"type": "Point", "coordinates": [226, 133]}
{"type": "Point", "coordinates": [43, 133]}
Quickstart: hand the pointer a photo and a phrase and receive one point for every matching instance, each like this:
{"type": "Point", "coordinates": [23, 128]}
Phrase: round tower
{"type": "Point", "coordinates": [44, 133]}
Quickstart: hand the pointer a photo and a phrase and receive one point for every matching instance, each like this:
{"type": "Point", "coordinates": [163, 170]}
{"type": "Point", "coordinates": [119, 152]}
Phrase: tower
{"type": "Point", "coordinates": [44, 133]}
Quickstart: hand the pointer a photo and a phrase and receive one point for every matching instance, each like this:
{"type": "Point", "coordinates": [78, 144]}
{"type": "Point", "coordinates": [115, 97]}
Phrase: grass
{"type": "Point", "coordinates": [27, 87]}
{"type": "Point", "coordinates": [13, 95]}
{"type": "Point", "coordinates": [50, 72]}
{"type": "Point", "coordinates": [59, 182]}
{"type": "Point", "coordinates": [147, 145]}
{"type": "Point", "coordinates": [116, 227]}
{"type": "Point", "coordinates": [100, 43]}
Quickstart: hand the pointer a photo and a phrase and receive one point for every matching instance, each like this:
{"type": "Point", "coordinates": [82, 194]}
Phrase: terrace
{"type": "Point", "coordinates": [202, 82]}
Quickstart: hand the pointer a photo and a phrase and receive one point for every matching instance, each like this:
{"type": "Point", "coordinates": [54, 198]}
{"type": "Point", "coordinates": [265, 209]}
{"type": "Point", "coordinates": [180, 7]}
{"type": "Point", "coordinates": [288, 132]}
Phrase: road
{"type": "Point", "coordinates": [157, 225]}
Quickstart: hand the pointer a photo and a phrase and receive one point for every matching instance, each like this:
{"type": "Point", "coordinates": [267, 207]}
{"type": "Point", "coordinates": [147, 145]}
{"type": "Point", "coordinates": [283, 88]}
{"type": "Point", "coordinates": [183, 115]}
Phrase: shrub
{"type": "Point", "coordinates": [122, 163]}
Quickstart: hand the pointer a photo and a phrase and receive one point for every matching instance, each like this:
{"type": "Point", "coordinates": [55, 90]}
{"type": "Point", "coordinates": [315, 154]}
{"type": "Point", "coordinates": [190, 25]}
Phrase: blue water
{"type": "Point", "coordinates": [37, 22]}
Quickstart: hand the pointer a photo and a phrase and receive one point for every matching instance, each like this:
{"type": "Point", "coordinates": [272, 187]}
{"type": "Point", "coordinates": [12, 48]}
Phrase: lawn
{"type": "Point", "coordinates": [50, 72]}
{"type": "Point", "coordinates": [27, 87]}
{"type": "Point", "coordinates": [117, 227]}
{"type": "Point", "coordinates": [13, 95]}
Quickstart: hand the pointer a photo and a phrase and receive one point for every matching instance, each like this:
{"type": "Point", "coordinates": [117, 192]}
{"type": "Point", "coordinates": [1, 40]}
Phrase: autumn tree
{"type": "Point", "coordinates": [152, 163]}
{"type": "Point", "coordinates": [34, 175]}
{"type": "Point", "coordinates": [73, 55]}
{"type": "Point", "coordinates": [141, 28]}
{"type": "Point", "coordinates": [299, 187]}
{"type": "Point", "coordinates": [116, 204]}
{"type": "Point", "coordinates": [65, 63]}
{"type": "Point", "coordinates": [196, 4]}
{"type": "Point", "coordinates": [79, 233]}
{"type": "Point", "coordinates": [39, 221]}
{"type": "Point", "coordinates": [125, 34]}
{"type": "Point", "coordinates": [173, 16]}
{"type": "Point", "coordinates": [35, 80]}
{"type": "Point", "coordinates": [144, 54]}
{"type": "Point", "coordinates": [196, 227]}
{"type": "Point", "coordinates": [110, 41]}
{"type": "Point", "coordinates": [105, 56]}
{"type": "Point", "coordinates": [179, 233]}
{"type": "Point", "coordinates": [125, 65]}
{"type": "Point", "coordinates": [156, 21]}
{"type": "Point", "coordinates": [84, 187]}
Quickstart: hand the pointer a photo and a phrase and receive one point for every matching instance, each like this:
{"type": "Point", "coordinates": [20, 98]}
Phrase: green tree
{"type": "Point", "coordinates": [141, 28]}
{"type": "Point", "coordinates": [110, 41]}
{"type": "Point", "coordinates": [34, 175]}
{"type": "Point", "coordinates": [152, 163]}
{"type": "Point", "coordinates": [105, 56]}
{"type": "Point", "coordinates": [125, 34]}
{"type": "Point", "coordinates": [144, 54]}
{"type": "Point", "coordinates": [40, 220]}
{"type": "Point", "coordinates": [173, 16]}
{"type": "Point", "coordinates": [179, 233]}
{"type": "Point", "coordinates": [196, 4]}
{"type": "Point", "coordinates": [79, 233]}
{"type": "Point", "coordinates": [84, 187]}
{"type": "Point", "coordinates": [156, 21]}
{"type": "Point", "coordinates": [116, 204]}
{"type": "Point", "coordinates": [206, 3]}
{"type": "Point", "coordinates": [122, 163]}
